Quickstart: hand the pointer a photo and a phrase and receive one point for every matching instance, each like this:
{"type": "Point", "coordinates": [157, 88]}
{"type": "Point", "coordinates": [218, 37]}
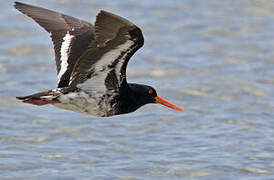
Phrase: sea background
{"type": "Point", "coordinates": [214, 58]}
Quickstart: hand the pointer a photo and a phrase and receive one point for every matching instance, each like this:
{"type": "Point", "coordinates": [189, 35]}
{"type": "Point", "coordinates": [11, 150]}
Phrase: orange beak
{"type": "Point", "coordinates": [168, 104]}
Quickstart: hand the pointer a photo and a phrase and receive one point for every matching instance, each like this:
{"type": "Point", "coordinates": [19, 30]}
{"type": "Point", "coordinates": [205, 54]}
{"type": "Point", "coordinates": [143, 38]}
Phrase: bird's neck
{"type": "Point", "coordinates": [130, 101]}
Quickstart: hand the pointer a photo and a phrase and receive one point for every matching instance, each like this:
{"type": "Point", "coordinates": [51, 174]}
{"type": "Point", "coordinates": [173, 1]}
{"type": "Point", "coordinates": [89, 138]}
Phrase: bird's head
{"type": "Point", "coordinates": [146, 94]}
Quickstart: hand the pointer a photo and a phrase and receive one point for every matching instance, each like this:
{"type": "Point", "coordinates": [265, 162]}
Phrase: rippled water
{"type": "Point", "coordinates": [214, 58]}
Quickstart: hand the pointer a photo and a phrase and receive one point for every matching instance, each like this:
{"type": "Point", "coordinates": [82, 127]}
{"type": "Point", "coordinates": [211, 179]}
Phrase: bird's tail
{"type": "Point", "coordinates": [42, 98]}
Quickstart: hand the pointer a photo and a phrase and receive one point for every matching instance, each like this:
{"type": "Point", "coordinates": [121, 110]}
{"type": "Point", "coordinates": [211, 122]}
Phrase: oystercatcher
{"type": "Point", "coordinates": [91, 64]}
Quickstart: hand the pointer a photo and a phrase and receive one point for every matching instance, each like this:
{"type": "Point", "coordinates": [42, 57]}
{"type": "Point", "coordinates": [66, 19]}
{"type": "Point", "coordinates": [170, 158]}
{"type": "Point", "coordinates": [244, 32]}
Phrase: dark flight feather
{"type": "Point", "coordinates": [116, 37]}
{"type": "Point", "coordinates": [59, 25]}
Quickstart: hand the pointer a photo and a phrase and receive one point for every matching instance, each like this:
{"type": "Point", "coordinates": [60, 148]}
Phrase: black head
{"type": "Point", "coordinates": [143, 94]}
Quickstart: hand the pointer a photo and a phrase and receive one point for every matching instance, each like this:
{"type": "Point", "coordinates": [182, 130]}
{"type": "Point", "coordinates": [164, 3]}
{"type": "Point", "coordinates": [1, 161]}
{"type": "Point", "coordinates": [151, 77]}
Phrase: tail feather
{"type": "Point", "coordinates": [39, 99]}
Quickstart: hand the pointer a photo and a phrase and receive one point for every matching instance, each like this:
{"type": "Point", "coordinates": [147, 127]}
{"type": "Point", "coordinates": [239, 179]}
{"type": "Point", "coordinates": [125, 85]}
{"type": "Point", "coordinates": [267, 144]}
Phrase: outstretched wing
{"type": "Point", "coordinates": [70, 37]}
{"type": "Point", "coordinates": [103, 65]}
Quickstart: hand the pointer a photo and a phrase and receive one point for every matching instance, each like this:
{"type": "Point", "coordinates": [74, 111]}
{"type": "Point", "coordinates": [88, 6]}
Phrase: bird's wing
{"type": "Point", "coordinates": [70, 37]}
{"type": "Point", "coordinates": [103, 65]}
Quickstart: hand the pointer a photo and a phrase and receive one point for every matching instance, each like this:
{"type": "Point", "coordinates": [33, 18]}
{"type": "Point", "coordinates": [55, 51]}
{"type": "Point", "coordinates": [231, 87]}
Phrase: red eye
{"type": "Point", "coordinates": [150, 91]}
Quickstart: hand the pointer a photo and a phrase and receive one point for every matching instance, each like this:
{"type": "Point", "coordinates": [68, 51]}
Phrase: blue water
{"type": "Point", "coordinates": [214, 58]}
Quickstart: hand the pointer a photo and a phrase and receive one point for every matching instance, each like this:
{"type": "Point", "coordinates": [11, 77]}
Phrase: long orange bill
{"type": "Point", "coordinates": [168, 104]}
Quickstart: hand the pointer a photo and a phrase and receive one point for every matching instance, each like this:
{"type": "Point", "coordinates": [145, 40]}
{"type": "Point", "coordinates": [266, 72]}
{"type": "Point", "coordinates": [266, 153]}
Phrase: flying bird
{"type": "Point", "coordinates": [91, 63]}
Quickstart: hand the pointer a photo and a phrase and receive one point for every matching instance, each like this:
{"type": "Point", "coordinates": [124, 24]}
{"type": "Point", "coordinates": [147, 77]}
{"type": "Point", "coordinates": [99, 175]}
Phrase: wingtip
{"type": "Point", "coordinates": [102, 11]}
{"type": "Point", "coordinates": [19, 5]}
{"type": "Point", "coordinates": [16, 4]}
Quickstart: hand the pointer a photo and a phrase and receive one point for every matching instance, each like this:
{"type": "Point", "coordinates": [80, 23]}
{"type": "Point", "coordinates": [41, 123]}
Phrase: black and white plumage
{"type": "Point", "coordinates": [91, 64]}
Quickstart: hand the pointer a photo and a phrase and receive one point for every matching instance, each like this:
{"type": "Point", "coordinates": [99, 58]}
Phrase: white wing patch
{"type": "Point", "coordinates": [97, 82]}
{"type": "Point", "coordinates": [64, 54]}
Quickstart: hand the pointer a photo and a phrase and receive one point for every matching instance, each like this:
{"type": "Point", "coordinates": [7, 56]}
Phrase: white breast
{"type": "Point", "coordinates": [82, 102]}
